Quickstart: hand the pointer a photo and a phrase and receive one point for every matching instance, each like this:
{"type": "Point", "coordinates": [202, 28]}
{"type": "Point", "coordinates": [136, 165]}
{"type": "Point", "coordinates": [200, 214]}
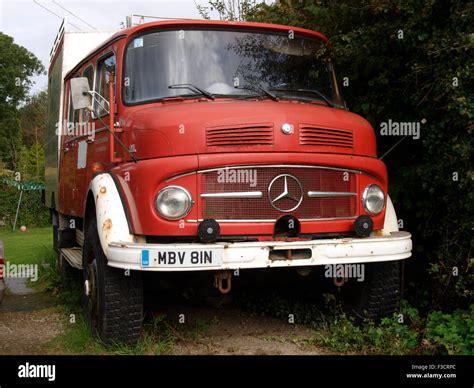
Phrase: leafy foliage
{"type": "Point", "coordinates": [31, 163]}
{"type": "Point", "coordinates": [22, 122]}
{"type": "Point", "coordinates": [451, 333]}
{"type": "Point", "coordinates": [32, 210]}
{"type": "Point", "coordinates": [388, 337]}
{"type": "Point", "coordinates": [33, 115]}
{"type": "Point", "coordinates": [227, 9]}
{"type": "Point", "coordinates": [17, 66]}
{"type": "Point", "coordinates": [439, 333]}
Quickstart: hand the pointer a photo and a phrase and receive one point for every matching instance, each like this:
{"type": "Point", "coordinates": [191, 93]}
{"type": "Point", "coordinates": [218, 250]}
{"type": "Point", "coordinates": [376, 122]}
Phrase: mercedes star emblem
{"type": "Point", "coordinates": [290, 191]}
{"type": "Point", "coordinates": [287, 129]}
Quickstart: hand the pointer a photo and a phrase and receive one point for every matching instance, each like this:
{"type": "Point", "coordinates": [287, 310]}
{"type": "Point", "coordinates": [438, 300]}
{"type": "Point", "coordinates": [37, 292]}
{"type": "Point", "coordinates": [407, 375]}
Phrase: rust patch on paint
{"type": "Point", "coordinates": [107, 224]}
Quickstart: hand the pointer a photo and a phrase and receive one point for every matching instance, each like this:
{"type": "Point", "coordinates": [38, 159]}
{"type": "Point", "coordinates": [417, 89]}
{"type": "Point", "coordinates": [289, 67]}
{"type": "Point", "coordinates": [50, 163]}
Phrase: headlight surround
{"type": "Point", "coordinates": [173, 202]}
{"type": "Point", "coordinates": [373, 199]}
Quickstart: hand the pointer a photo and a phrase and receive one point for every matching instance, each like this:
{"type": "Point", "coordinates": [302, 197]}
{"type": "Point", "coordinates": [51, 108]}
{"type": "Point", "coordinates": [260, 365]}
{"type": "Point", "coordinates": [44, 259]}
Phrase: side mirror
{"type": "Point", "coordinates": [80, 93]}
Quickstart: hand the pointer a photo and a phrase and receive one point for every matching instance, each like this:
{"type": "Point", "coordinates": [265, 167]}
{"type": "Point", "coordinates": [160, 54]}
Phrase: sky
{"type": "Point", "coordinates": [35, 28]}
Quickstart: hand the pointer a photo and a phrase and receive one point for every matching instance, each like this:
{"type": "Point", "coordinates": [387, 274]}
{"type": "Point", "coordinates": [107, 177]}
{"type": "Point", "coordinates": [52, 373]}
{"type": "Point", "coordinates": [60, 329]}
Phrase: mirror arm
{"type": "Point", "coordinates": [113, 159]}
{"type": "Point", "coordinates": [110, 126]}
{"type": "Point", "coordinates": [100, 100]}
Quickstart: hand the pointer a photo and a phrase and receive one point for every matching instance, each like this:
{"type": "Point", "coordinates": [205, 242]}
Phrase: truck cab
{"type": "Point", "coordinates": [191, 145]}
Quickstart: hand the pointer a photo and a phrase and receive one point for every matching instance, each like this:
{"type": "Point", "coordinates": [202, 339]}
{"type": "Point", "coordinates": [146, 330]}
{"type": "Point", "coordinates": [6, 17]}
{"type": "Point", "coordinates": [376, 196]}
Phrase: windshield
{"type": "Point", "coordinates": [224, 63]}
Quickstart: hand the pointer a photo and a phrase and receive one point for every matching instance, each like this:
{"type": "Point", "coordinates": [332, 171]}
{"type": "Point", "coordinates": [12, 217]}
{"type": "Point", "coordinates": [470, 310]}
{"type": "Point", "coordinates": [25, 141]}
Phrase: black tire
{"type": "Point", "coordinates": [379, 294]}
{"type": "Point", "coordinates": [114, 305]}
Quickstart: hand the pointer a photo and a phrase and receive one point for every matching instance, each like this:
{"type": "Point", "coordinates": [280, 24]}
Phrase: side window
{"type": "Point", "coordinates": [104, 68]}
{"type": "Point", "coordinates": [73, 116]}
{"type": "Point", "coordinates": [89, 74]}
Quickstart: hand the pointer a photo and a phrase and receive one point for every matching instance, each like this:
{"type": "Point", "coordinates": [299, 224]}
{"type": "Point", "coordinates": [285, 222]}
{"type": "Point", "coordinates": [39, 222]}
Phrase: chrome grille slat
{"type": "Point", "coordinates": [322, 194]}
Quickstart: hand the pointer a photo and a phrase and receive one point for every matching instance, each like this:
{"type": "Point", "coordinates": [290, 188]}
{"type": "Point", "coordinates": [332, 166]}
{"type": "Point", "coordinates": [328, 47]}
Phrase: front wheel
{"type": "Point", "coordinates": [112, 298]}
{"type": "Point", "coordinates": [378, 296]}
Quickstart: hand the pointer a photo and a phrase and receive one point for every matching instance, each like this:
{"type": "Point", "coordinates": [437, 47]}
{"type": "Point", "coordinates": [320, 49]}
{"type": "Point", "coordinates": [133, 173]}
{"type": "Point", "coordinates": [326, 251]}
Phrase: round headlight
{"type": "Point", "coordinates": [373, 199]}
{"type": "Point", "coordinates": [173, 202]}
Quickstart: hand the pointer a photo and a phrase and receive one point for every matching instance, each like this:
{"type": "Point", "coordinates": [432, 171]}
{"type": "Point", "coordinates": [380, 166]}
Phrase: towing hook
{"type": "Point", "coordinates": [221, 278]}
{"type": "Point", "coordinates": [339, 282]}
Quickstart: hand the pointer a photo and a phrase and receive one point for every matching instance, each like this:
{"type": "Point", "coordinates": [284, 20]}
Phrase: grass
{"type": "Point", "coordinates": [35, 247]}
{"type": "Point", "coordinates": [30, 247]}
{"type": "Point", "coordinates": [156, 339]}
{"type": "Point", "coordinates": [390, 337]}
{"type": "Point", "coordinates": [201, 327]}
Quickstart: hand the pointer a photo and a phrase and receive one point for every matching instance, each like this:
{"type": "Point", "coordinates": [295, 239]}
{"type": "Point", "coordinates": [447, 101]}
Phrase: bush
{"type": "Point", "coordinates": [32, 210]}
{"type": "Point", "coordinates": [399, 334]}
{"type": "Point", "coordinates": [439, 333]}
{"type": "Point", "coordinates": [451, 333]}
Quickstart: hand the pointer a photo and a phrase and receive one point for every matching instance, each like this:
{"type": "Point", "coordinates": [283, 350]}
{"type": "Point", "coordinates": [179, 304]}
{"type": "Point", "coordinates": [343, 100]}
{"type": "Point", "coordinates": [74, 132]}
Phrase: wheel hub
{"type": "Point", "coordinates": [90, 288]}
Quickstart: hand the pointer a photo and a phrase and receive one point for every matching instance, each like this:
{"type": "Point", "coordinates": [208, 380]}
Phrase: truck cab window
{"type": "Point", "coordinates": [85, 115]}
{"type": "Point", "coordinates": [73, 117]}
{"type": "Point", "coordinates": [104, 68]}
{"type": "Point", "coordinates": [220, 61]}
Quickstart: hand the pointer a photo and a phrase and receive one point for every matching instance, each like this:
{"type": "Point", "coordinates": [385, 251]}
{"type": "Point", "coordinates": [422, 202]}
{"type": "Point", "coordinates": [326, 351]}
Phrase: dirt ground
{"type": "Point", "coordinates": [29, 322]}
{"type": "Point", "coordinates": [231, 331]}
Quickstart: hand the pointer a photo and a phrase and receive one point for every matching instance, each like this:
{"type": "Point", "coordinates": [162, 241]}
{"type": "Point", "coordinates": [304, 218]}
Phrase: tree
{"type": "Point", "coordinates": [31, 163]}
{"type": "Point", "coordinates": [227, 9]}
{"type": "Point", "coordinates": [33, 117]}
{"type": "Point", "coordinates": [17, 65]}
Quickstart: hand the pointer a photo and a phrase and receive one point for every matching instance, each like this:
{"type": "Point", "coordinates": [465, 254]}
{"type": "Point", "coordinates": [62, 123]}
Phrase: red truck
{"type": "Point", "coordinates": [196, 145]}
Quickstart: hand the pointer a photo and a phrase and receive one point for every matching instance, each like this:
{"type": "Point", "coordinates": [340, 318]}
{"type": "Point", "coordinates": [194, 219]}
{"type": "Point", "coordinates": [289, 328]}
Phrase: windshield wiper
{"type": "Point", "coordinates": [312, 91]}
{"type": "Point", "coordinates": [194, 88]}
{"type": "Point", "coordinates": [259, 89]}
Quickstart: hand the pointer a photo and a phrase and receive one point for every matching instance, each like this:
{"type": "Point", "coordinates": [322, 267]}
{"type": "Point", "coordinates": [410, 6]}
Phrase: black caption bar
{"type": "Point", "coordinates": [137, 371]}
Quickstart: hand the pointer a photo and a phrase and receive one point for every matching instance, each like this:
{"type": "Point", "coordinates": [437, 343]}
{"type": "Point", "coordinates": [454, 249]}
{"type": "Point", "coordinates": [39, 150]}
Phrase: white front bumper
{"type": "Point", "coordinates": [244, 255]}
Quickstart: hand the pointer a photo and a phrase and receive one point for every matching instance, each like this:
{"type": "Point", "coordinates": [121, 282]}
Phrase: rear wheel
{"type": "Point", "coordinates": [113, 300]}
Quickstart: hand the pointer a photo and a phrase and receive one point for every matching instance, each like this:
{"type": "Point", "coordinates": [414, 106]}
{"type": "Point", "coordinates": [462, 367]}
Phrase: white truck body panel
{"type": "Point", "coordinates": [69, 48]}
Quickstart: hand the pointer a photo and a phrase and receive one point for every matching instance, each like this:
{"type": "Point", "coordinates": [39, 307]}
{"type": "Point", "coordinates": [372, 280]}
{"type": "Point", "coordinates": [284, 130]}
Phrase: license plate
{"type": "Point", "coordinates": [182, 258]}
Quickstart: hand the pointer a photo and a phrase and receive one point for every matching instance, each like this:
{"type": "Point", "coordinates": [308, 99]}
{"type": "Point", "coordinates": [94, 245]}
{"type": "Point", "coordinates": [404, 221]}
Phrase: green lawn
{"type": "Point", "coordinates": [29, 247]}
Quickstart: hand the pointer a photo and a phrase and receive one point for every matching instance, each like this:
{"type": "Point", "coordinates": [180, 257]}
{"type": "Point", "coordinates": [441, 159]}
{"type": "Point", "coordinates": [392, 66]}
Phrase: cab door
{"type": "Point", "coordinates": [67, 156]}
{"type": "Point", "coordinates": [106, 66]}
{"type": "Point", "coordinates": [84, 145]}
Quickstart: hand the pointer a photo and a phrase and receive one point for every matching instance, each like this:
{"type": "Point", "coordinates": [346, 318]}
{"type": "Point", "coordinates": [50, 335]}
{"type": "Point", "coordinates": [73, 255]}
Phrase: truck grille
{"type": "Point", "coordinates": [315, 136]}
{"type": "Point", "coordinates": [242, 193]}
{"type": "Point", "coordinates": [240, 135]}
